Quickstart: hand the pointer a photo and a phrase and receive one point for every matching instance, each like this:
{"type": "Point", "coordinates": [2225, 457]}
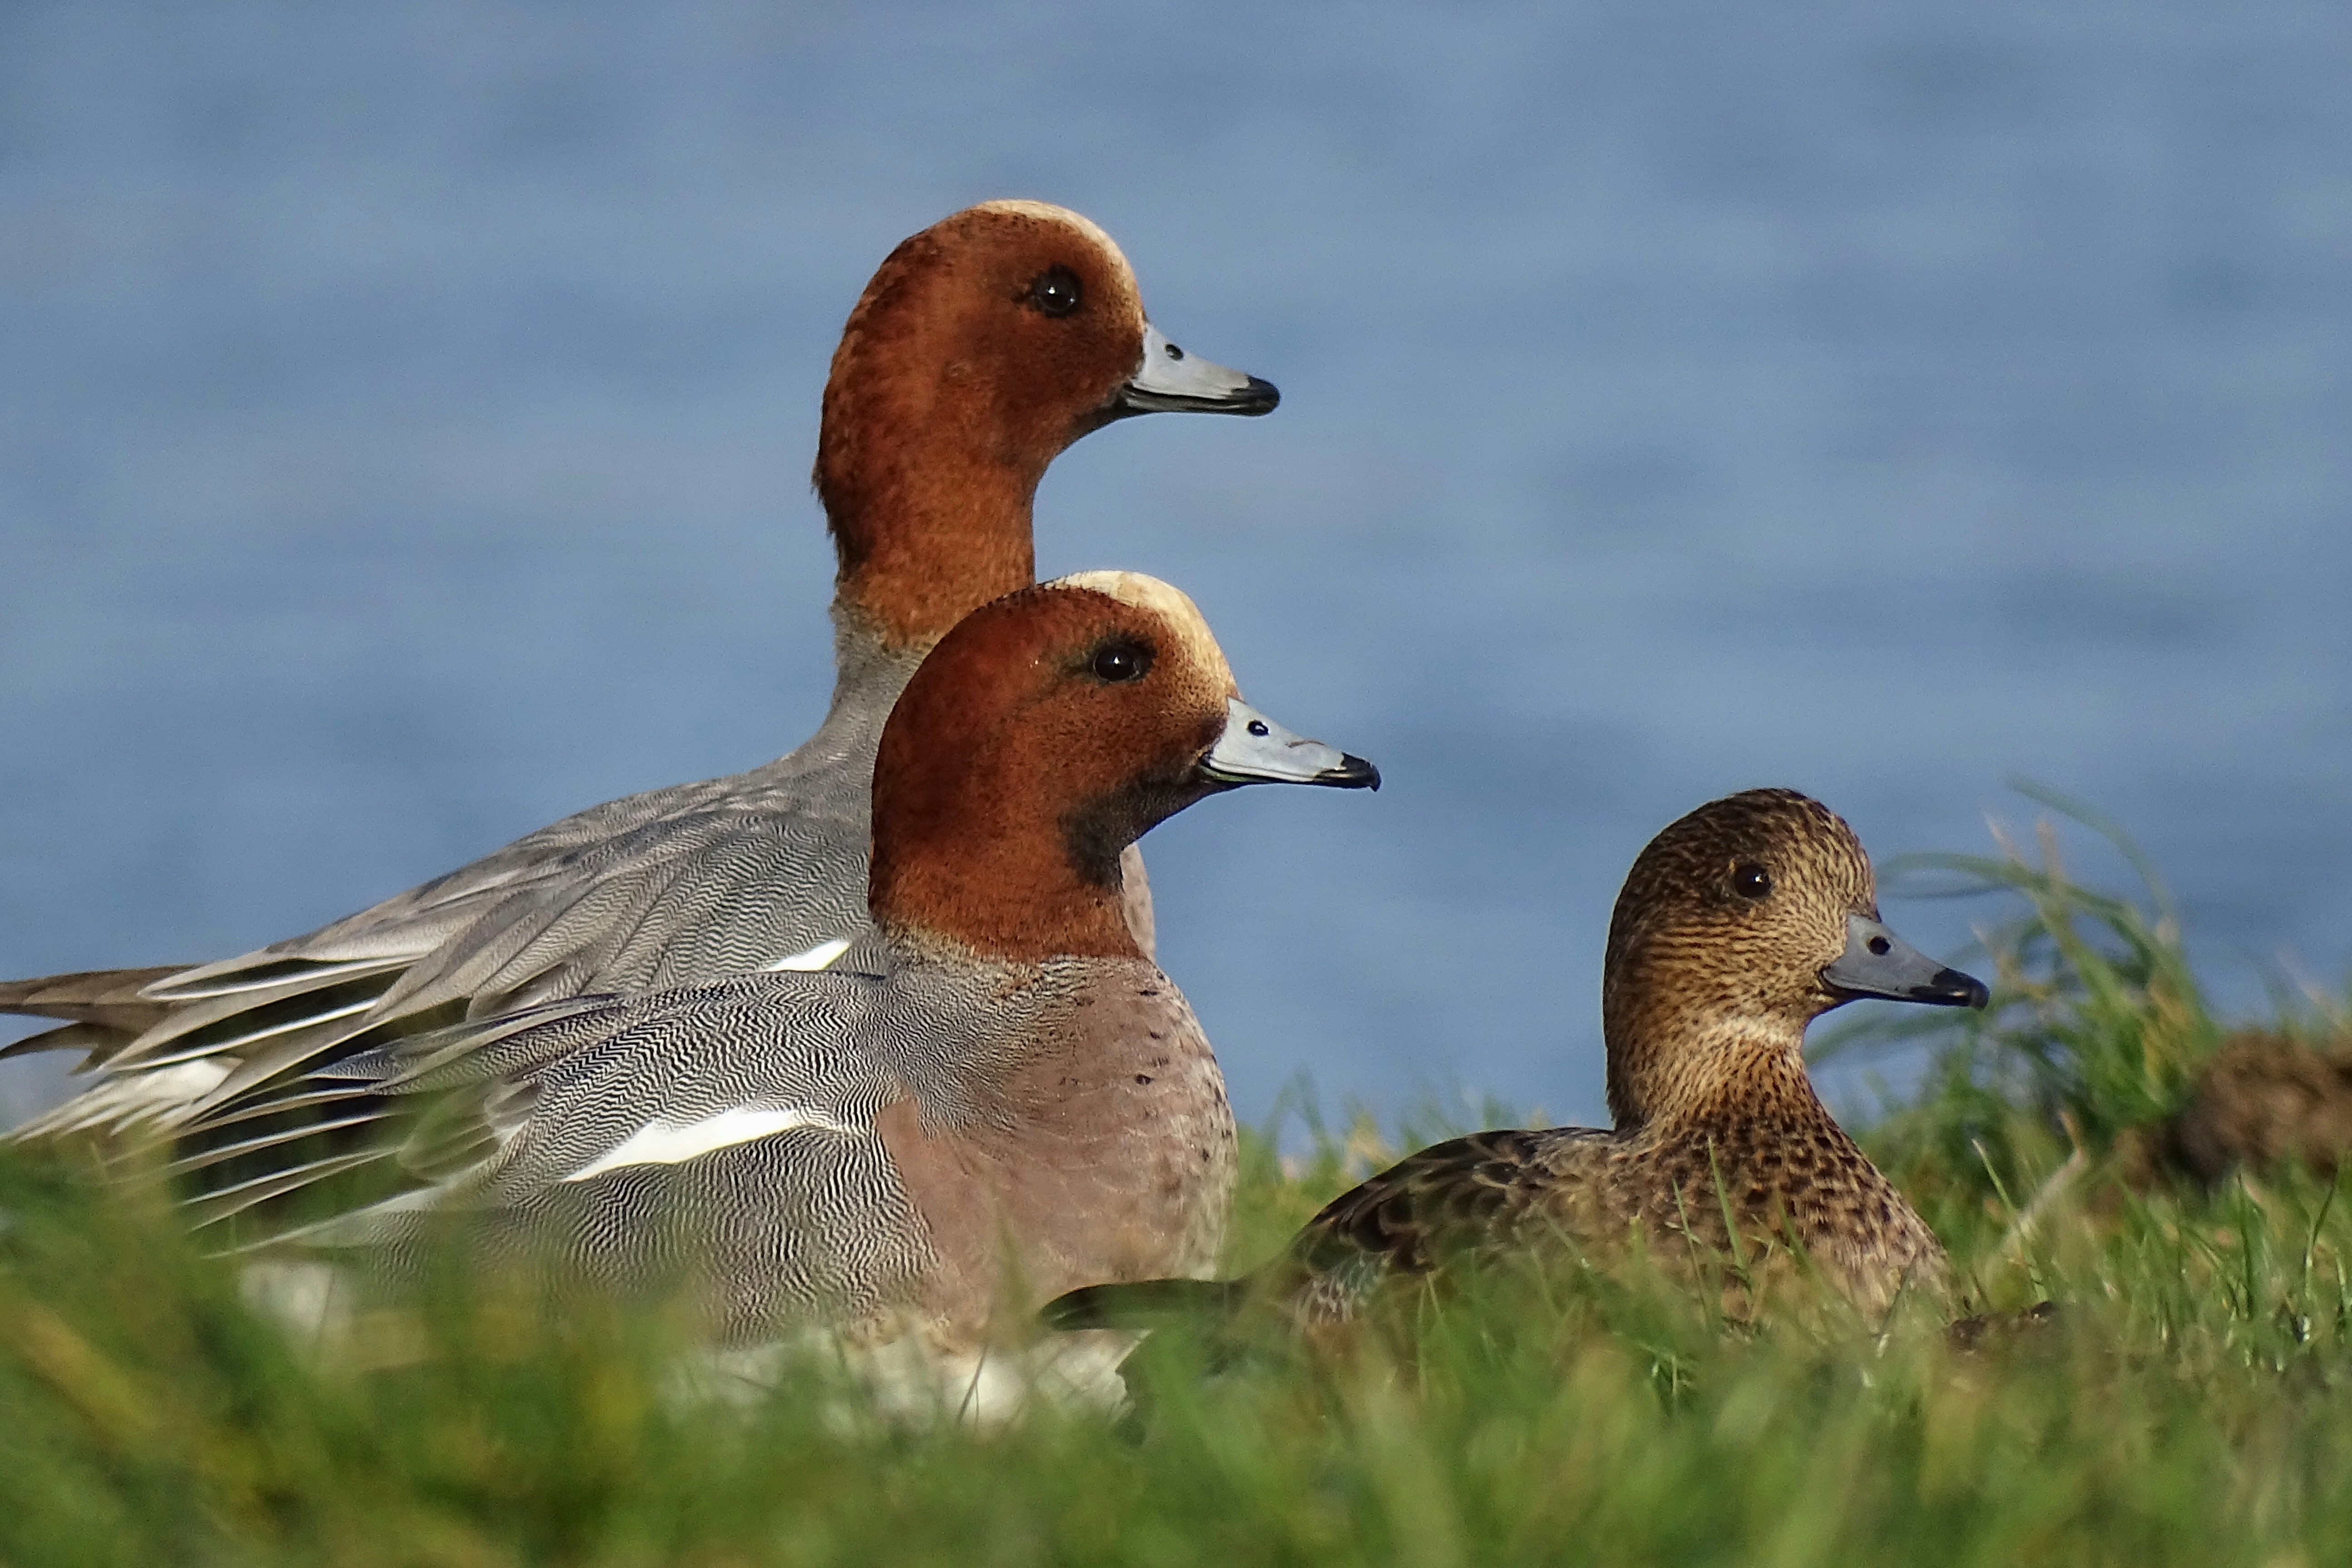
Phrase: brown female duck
{"type": "Point", "coordinates": [1738, 925]}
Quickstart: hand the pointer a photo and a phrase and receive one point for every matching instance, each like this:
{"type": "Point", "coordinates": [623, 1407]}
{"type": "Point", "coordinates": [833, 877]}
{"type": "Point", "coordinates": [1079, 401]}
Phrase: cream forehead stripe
{"type": "Point", "coordinates": [1046, 212]}
{"type": "Point", "coordinates": [1170, 603]}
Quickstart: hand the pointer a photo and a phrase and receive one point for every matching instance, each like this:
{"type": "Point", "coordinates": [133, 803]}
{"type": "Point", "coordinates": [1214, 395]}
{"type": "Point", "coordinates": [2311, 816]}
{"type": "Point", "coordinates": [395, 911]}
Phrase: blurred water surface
{"type": "Point", "coordinates": [407, 410]}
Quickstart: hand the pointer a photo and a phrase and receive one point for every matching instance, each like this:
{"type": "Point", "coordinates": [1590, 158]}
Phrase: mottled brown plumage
{"type": "Point", "coordinates": [2264, 1099]}
{"type": "Point", "coordinates": [1724, 1162]}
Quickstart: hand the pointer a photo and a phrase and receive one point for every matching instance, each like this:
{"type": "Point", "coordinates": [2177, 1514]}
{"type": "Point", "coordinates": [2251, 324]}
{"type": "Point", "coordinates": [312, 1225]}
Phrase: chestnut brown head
{"type": "Point", "coordinates": [1042, 736]}
{"type": "Point", "coordinates": [982, 347]}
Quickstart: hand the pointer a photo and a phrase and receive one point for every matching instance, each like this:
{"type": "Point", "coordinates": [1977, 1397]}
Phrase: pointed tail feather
{"type": "Point", "coordinates": [97, 1043]}
{"type": "Point", "coordinates": [1146, 1304]}
{"type": "Point", "coordinates": [107, 996]}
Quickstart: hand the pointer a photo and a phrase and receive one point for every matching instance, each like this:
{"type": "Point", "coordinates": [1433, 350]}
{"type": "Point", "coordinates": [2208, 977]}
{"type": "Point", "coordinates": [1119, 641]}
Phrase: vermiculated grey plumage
{"type": "Point", "coordinates": [814, 1222]}
{"type": "Point", "coordinates": [995, 1095]}
{"type": "Point", "coordinates": [670, 887]}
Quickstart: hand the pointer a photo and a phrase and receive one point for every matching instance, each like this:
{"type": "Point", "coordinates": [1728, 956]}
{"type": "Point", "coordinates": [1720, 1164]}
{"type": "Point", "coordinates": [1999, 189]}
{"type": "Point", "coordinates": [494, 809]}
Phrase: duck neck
{"type": "Point", "coordinates": [969, 864]}
{"type": "Point", "coordinates": [869, 672]}
{"type": "Point", "coordinates": [931, 520]}
{"type": "Point", "coordinates": [1670, 1069]}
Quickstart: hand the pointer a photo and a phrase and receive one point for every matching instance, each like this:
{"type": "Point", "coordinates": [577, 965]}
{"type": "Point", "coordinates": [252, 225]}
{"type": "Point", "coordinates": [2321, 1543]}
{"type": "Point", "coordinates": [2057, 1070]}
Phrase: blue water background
{"type": "Point", "coordinates": [405, 413]}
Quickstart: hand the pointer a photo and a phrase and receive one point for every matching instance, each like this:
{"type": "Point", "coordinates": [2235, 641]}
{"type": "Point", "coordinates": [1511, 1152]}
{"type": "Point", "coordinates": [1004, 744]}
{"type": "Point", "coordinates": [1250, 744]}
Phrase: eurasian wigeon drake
{"type": "Point", "coordinates": [1738, 926]}
{"type": "Point", "coordinates": [982, 347]}
{"type": "Point", "coordinates": [997, 1086]}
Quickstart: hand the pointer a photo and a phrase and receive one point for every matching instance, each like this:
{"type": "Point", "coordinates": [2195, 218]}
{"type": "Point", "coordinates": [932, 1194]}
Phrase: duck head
{"type": "Point", "coordinates": [1047, 732]}
{"type": "Point", "coordinates": [982, 347]}
{"type": "Point", "coordinates": [1738, 926]}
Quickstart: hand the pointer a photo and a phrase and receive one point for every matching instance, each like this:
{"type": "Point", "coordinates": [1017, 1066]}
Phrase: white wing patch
{"type": "Point", "coordinates": [816, 957]}
{"type": "Point", "coordinates": [662, 1142]}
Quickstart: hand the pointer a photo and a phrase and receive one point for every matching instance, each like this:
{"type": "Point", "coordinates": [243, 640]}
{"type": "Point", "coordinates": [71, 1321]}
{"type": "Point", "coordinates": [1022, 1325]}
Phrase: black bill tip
{"type": "Point", "coordinates": [1259, 395]}
{"type": "Point", "coordinates": [1950, 988]}
{"type": "Point", "coordinates": [1353, 773]}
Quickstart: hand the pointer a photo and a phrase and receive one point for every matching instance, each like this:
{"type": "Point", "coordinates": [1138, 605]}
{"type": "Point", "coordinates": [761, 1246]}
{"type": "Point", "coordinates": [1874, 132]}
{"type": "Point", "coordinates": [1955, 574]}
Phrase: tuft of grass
{"type": "Point", "coordinates": [2097, 1030]}
{"type": "Point", "coordinates": [2190, 1405]}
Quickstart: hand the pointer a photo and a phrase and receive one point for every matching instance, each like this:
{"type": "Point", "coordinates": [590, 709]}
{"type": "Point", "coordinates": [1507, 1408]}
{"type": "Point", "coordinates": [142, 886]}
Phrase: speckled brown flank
{"type": "Point", "coordinates": [948, 397]}
{"type": "Point", "coordinates": [1706, 996]}
{"type": "Point", "coordinates": [1722, 1159]}
{"type": "Point", "coordinates": [1010, 777]}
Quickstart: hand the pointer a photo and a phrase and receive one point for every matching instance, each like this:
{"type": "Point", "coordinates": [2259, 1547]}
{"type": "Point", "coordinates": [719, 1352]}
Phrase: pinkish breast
{"type": "Point", "coordinates": [1101, 1151]}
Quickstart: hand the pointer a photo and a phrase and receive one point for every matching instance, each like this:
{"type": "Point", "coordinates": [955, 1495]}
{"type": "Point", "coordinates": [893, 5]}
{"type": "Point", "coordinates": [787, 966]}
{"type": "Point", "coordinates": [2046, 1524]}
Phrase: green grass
{"type": "Point", "coordinates": [2192, 1405]}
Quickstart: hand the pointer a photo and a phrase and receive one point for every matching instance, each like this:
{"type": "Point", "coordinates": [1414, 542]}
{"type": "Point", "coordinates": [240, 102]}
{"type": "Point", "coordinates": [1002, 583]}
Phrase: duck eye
{"type": "Point", "coordinates": [1751, 880]}
{"type": "Point", "coordinates": [1055, 291]}
{"type": "Point", "coordinates": [1122, 662]}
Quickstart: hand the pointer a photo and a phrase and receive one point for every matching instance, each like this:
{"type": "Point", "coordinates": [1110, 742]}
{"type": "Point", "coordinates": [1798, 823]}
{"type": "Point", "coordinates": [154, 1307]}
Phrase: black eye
{"type": "Point", "coordinates": [1055, 291]}
{"type": "Point", "coordinates": [1122, 661]}
{"type": "Point", "coordinates": [1751, 880]}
